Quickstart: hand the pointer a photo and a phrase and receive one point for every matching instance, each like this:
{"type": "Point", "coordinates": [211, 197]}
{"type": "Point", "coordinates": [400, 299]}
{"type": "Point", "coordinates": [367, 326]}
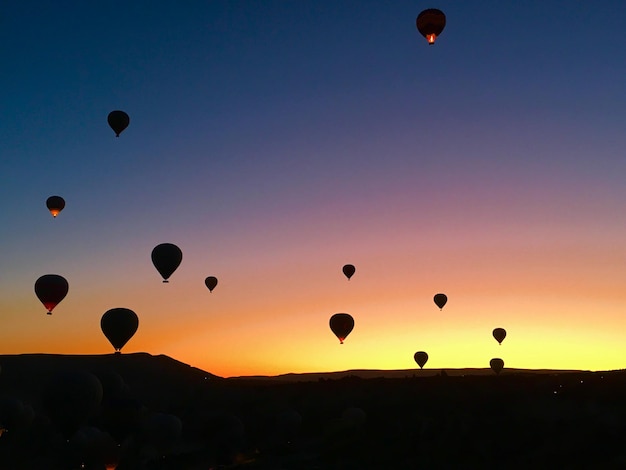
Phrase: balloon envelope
{"type": "Point", "coordinates": [341, 324]}
{"type": "Point", "coordinates": [499, 334]}
{"type": "Point", "coordinates": [440, 300]}
{"type": "Point", "coordinates": [50, 290]}
{"type": "Point", "coordinates": [421, 358]}
{"type": "Point", "coordinates": [55, 204]}
{"type": "Point", "coordinates": [496, 364]}
{"type": "Point", "coordinates": [118, 120]}
{"type": "Point", "coordinates": [348, 270]}
{"type": "Point", "coordinates": [166, 257]}
{"type": "Point", "coordinates": [119, 325]}
{"type": "Point", "coordinates": [210, 282]}
{"type": "Point", "coordinates": [430, 24]}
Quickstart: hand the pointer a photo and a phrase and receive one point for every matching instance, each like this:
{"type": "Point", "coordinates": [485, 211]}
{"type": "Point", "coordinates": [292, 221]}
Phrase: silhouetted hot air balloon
{"type": "Point", "coordinates": [440, 300]}
{"type": "Point", "coordinates": [55, 205]}
{"type": "Point", "coordinates": [50, 290]}
{"type": "Point", "coordinates": [499, 334]}
{"type": "Point", "coordinates": [341, 324]}
{"type": "Point", "coordinates": [210, 282]}
{"type": "Point", "coordinates": [348, 270]}
{"type": "Point", "coordinates": [118, 120]}
{"type": "Point", "coordinates": [496, 364]}
{"type": "Point", "coordinates": [119, 325]}
{"type": "Point", "coordinates": [421, 358]}
{"type": "Point", "coordinates": [166, 257]}
{"type": "Point", "coordinates": [430, 24]}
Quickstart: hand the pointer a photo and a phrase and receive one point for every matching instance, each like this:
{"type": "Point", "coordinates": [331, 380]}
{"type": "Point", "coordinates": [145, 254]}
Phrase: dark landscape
{"type": "Point", "coordinates": [137, 411]}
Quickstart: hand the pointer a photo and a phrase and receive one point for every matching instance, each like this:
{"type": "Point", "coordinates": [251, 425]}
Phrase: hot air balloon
{"type": "Point", "coordinates": [119, 325]}
{"type": "Point", "coordinates": [118, 120]}
{"type": "Point", "coordinates": [430, 24]}
{"type": "Point", "coordinates": [55, 205]}
{"type": "Point", "coordinates": [210, 282]}
{"type": "Point", "coordinates": [348, 270]}
{"type": "Point", "coordinates": [341, 324]}
{"type": "Point", "coordinates": [496, 364]}
{"type": "Point", "coordinates": [166, 257]}
{"type": "Point", "coordinates": [440, 300]}
{"type": "Point", "coordinates": [421, 358]}
{"type": "Point", "coordinates": [499, 334]}
{"type": "Point", "coordinates": [50, 290]}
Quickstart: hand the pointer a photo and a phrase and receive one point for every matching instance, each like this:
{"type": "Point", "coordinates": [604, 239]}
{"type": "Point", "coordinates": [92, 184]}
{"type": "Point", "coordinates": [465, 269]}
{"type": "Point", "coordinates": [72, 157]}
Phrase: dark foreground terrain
{"type": "Point", "coordinates": [139, 412]}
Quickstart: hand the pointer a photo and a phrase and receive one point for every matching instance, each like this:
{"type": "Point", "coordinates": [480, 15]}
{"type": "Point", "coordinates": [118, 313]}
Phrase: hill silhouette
{"type": "Point", "coordinates": [149, 412]}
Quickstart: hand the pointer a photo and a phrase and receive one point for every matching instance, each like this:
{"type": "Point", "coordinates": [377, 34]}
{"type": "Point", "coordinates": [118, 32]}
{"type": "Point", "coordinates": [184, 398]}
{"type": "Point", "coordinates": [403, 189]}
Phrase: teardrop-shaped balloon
{"type": "Point", "coordinates": [440, 300]}
{"type": "Point", "coordinates": [499, 334]}
{"type": "Point", "coordinates": [55, 204]}
{"type": "Point", "coordinates": [421, 358]}
{"type": "Point", "coordinates": [341, 324]}
{"type": "Point", "coordinates": [119, 325]}
{"type": "Point", "coordinates": [118, 120]}
{"type": "Point", "coordinates": [50, 290]}
{"type": "Point", "coordinates": [430, 24]}
{"type": "Point", "coordinates": [348, 270]}
{"type": "Point", "coordinates": [166, 257]}
{"type": "Point", "coordinates": [210, 282]}
{"type": "Point", "coordinates": [496, 364]}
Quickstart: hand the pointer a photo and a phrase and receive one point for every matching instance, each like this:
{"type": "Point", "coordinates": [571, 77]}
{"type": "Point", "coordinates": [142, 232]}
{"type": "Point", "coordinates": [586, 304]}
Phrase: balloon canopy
{"type": "Point", "coordinates": [341, 324]}
{"type": "Point", "coordinates": [210, 282]}
{"type": "Point", "coordinates": [119, 325]}
{"type": "Point", "coordinates": [166, 257]}
{"type": "Point", "coordinates": [421, 358]}
{"type": "Point", "coordinates": [430, 24]}
{"type": "Point", "coordinates": [118, 120]}
{"type": "Point", "coordinates": [50, 290]}
{"type": "Point", "coordinates": [440, 300]}
{"type": "Point", "coordinates": [348, 270]}
{"type": "Point", "coordinates": [496, 364]}
{"type": "Point", "coordinates": [55, 205]}
{"type": "Point", "coordinates": [499, 334]}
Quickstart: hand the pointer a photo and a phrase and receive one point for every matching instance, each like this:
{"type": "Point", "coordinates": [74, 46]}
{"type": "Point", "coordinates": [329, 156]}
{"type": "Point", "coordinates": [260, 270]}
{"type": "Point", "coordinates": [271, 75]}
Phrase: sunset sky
{"type": "Point", "coordinates": [276, 141]}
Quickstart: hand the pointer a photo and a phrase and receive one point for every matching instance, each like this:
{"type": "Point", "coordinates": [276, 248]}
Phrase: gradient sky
{"type": "Point", "coordinates": [275, 141]}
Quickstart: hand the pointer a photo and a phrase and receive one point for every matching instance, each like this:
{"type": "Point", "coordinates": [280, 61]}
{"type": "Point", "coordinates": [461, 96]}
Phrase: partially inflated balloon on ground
{"type": "Point", "coordinates": [51, 289]}
{"type": "Point", "coordinates": [166, 258]}
{"type": "Point", "coordinates": [341, 324]}
{"type": "Point", "coordinates": [496, 364]}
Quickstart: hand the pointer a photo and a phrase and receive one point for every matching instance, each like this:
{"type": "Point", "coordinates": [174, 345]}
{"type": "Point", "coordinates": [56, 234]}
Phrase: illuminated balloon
{"type": "Point", "coordinates": [440, 300]}
{"type": "Point", "coordinates": [55, 205]}
{"type": "Point", "coordinates": [119, 325]}
{"type": "Point", "coordinates": [166, 257]}
{"type": "Point", "coordinates": [499, 334]}
{"type": "Point", "coordinates": [349, 270]}
{"type": "Point", "coordinates": [118, 120]}
{"type": "Point", "coordinates": [50, 290]}
{"type": "Point", "coordinates": [496, 364]}
{"type": "Point", "coordinates": [421, 358]}
{"type": "Point", "coordinates": [341, 324]}
{"type": "Point", "coordinates": [430, 24]}
{"type": "Point", "coordinates": [210, 282]}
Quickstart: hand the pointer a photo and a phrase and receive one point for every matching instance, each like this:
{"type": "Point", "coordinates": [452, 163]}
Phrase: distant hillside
{"type": "Point", "coordinates": [395, 374]}
{"type": "Point", "coordinates": [153, 378]}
